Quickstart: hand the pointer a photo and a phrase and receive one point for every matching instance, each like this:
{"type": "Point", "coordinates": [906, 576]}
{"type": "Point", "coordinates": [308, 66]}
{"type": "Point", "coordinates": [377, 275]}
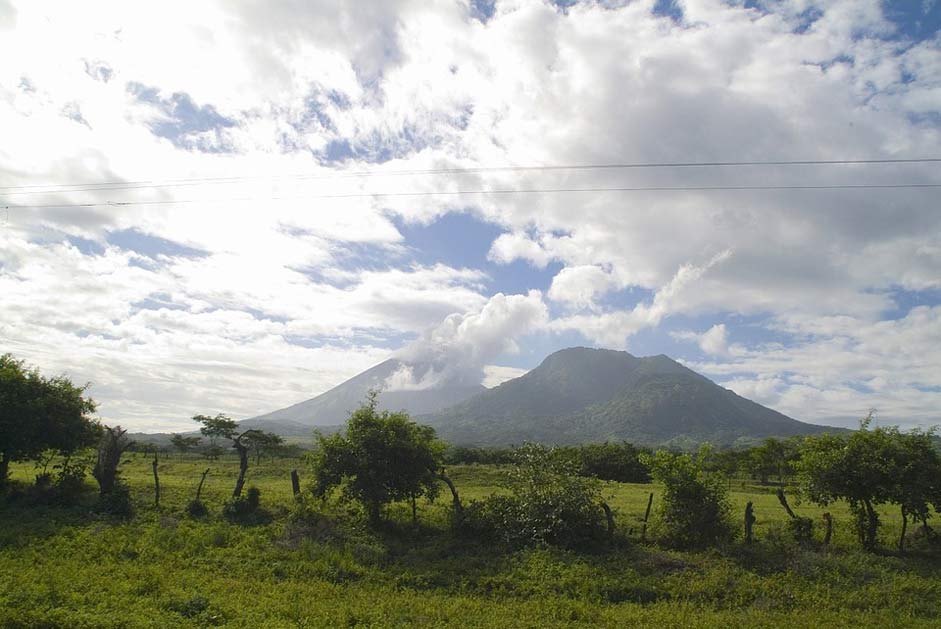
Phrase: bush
{"type": "Point", "coordinates": [694, 509]}
{"type": "Point", "coordinates": [196, 509]}
{"type": "Point", "coordinates": [245, 509]}
{"type": "Point", "coordinates": [117, 502]}
{"type": "Point", "coordinates": [801, 529]}
{"type": "Point", "coordinates": [549, 503]}
{"type": "Point", "coordinates": [70, 481]}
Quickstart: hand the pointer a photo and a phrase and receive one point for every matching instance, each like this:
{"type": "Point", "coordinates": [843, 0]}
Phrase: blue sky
{"type": "Point", "coordinates": [230, 224]}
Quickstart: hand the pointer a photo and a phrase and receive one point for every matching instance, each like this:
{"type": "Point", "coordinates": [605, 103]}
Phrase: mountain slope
{"type": "Point", "coordinates": [334, 406]}
{"type": "Point", "coordinates": [582, 395]}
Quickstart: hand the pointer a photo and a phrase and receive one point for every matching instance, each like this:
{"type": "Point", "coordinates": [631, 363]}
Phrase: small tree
{"type": "Point", "coordinates": [261, 443]}
{"type": "Point", "coordinates": [183, 444]}
{"type": "Point", "coordinates": [694, 508]}
{"type": "Point", "coordinates": [917, 484]}
{"type": "Point", "coordinates": [214, 428]}
{"type": "Point", "coordinates": [862, 469]}
{"type": "Point", "coordinates": [39, 413]}
{"type": "Point", "coordinates": [549, 502]}
{"type": "Point", "coordinates": [774, 458]}
{"type": "Point", "coordinates": [382, 457]}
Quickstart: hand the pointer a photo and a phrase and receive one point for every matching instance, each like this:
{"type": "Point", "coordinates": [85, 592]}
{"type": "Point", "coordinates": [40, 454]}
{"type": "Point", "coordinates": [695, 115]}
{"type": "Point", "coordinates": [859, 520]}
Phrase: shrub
{"type": "Point", "coordinates": [549, 503]}
{"type": "Point", "coordinates": [245, 509]}
{"type": "Point", "coordinates": [117, 501]}
{"type": "Point", "coordinates": [694, 508]}
{"type": "Point", "coordinates": [196, 509]}
{"type": "Point", "coordinates": [70, 480]}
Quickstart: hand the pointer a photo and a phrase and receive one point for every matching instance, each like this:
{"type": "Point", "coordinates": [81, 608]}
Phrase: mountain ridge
{"type": "Point", "coordinates": [580, 395]}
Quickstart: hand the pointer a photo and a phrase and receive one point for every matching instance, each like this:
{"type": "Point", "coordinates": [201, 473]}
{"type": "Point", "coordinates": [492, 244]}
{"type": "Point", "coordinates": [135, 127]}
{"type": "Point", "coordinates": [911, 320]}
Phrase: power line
{"type": "Point", "coordinates": [508, 191]}
{"type": "Point", "coordinates": [196, 181]}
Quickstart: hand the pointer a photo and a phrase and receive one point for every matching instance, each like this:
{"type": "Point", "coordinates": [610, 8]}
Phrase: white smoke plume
{"type": "Point", "coordinates": [456, 351]}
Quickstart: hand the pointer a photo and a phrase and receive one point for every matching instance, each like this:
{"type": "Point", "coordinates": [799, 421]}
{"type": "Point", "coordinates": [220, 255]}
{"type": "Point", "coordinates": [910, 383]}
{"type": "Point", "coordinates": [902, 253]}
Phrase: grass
{"type": "Point", "coordinates": [69, 567]}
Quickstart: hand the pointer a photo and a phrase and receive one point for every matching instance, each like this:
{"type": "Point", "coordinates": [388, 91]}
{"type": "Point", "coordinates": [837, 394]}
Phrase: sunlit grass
{"type": "Point", "coordinates": [73, 568]}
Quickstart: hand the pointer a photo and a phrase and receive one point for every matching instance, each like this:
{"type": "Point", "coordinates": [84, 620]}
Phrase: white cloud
{"type": "Point", "coordinates": [836, 369]}
{"type": "Point", "coordinates": [420, 86]}
{"type": "Point", "coordinates": [578, 286]}
{"type": "Point", "coordinates": [614, 328]}
{"type": "Point", "coordinates": [714, 341]}
{"type": "Point", "coordinates": [495, 375]}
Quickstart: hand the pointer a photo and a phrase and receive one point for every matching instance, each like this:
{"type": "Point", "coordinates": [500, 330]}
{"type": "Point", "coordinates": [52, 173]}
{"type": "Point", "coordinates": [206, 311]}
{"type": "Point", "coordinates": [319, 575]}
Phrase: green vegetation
{"type": "Point", "coordinates": [695, 511]}
{"type": "Point", "coordinates": [381, 457]}
{"type": "Point", "coordinates": [39, 414]}
{"type": "Point", "coordinates": [540, 540]}
{"type": "Point", "coordinates": [315, 565]}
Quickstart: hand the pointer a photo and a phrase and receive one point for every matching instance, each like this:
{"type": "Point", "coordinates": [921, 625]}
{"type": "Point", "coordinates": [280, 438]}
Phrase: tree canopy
{"type": "Point", "coordinates": [873, 466]}
{"type": "Point", "coordinates": [214, 428]}
{"type": "Point", "coordinates": [380, 458]}
{"type": "Point", "coordinates": [39, 413]}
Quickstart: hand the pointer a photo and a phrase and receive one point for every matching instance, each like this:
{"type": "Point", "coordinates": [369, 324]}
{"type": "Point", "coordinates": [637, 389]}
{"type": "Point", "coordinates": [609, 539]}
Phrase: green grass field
{"type": "Point", "coordinates": [71, 568]}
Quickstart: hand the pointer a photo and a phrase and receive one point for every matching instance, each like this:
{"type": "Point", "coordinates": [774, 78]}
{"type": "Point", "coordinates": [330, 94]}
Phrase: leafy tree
{"type": "Point", "coordinates": [694, 508]}
{"type": "Point", "coordinates": [39, 413]}
{"type": "Point", "coordinates": [613, 461]}
{"type": "Point", "coordinates": [774, 458]}
{"type": "Point", "coordinates": [864, 469]}
{"type": "Point", "coordinates": [381, 457]}
{"type": "Point", "coordinates": [260, 443]}
{"type": "Point", "coordinates": [183, 444]}
{"type": "Point", "coordinates": [214, 428]}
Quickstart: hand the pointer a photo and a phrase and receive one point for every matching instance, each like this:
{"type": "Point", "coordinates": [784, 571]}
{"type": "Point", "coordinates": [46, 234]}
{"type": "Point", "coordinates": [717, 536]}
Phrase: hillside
{"type": "Point", "coordinates": [581, 395]}
{"type": "Point", "coordinates": [334, 406]}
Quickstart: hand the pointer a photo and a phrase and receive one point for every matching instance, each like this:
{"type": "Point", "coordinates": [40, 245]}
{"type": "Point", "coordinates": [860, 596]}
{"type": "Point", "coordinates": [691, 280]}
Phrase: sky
{"type": "Point", "coordinates": [233, 206]}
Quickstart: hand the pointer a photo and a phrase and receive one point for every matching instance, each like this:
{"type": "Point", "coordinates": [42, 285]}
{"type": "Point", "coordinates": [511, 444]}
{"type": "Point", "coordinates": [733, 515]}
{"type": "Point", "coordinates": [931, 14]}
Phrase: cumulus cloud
{"type": "Point", "coordinates": [578, 286]}
{"type": "Point", "coordinates": [614, 328]}
{"type": "Point", "coordinates": [714, 341]}
{"type": "Point", "coordinates": [286, 102]}
{"type": "Point", "coordinates": [457, 350]}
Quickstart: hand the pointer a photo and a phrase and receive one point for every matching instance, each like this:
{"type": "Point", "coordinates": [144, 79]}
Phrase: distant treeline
{"type": "Point", "coordinates": [606, 461]}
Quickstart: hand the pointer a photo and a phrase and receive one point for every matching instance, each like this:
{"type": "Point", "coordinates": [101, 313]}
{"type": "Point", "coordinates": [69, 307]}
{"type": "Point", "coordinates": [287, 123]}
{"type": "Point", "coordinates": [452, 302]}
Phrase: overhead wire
{"type": "Point", "coordinates": [53, 188]}
{"type": "Point", "coordinates": [506, 191]}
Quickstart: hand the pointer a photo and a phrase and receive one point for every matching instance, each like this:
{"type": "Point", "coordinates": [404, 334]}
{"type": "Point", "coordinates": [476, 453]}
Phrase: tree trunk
{"type": "Point", "coordinates": [643, 530]}
{"type": "Point", "coordinates": [414, 512]}
{"type": "Point", "coordinates": [904, 527]}
{"type": "Point", "coordinates": [456, 500]}
{"type": "Point", "coordinates": [749, 521]}
{"type": "Point", "coordinates": [783, 500]}
{"type": "Point", "coordinates": [243, 466]}
{"type": "Point", "coordinates": [872, 525]}
{"type": "Point", "coordinates": [295, 483]}
{"type": "Point", "coordinates": [112, 445]}
{"type": "Point", "coordinates": [199, 489]}
{"type": "Point", "coordinates": [156, 482]}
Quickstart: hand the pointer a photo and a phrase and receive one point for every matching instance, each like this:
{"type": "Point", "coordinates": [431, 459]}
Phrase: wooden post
{"type": "Point", "coordinates": [295, 483]}
{"type": "Point", "coordinates": [156, 481]}
{"type": "Point", "coordinates": [749, 521]}
{"type": "Point", "coordinates": [199, 490]}
{"type": "Point", "coordinates": [643, 530]}
{"type": "Point", "coordinates": [243, 464]}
